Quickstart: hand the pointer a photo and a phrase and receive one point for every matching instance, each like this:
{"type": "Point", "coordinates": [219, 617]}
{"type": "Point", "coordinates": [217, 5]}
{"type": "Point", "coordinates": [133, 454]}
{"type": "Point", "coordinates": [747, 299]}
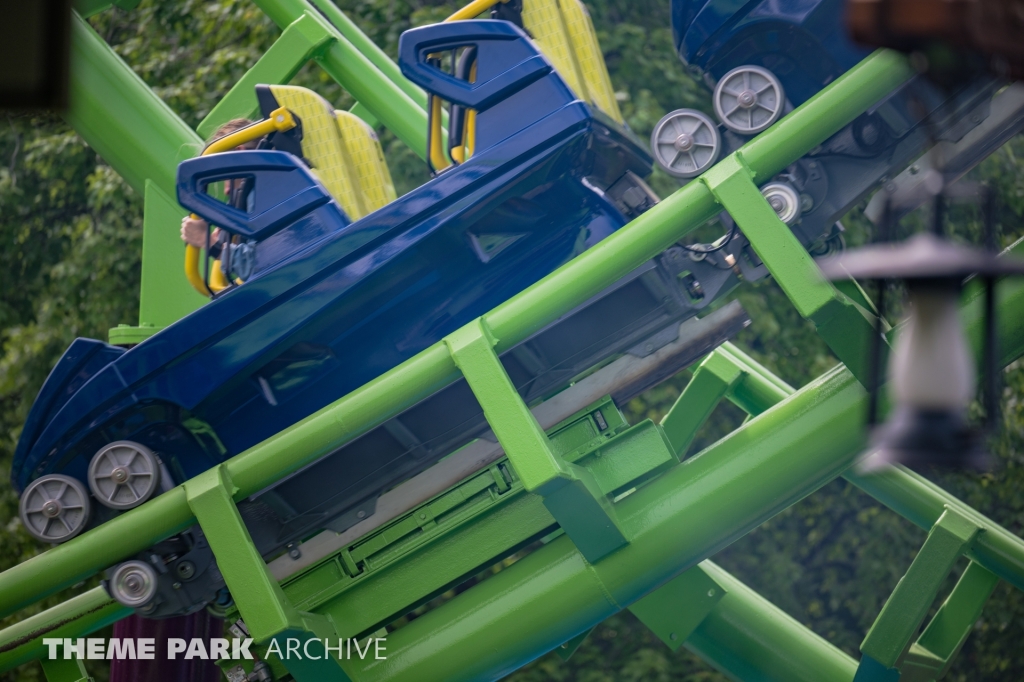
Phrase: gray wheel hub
{"type": "Point", "coordinates": [685, 143]}
{"type": "Point", "coordinates": [748, 99]}
{"type": "Point", "coordinates": [124, 474]}
{"type": "Point", "coordinates": [54, 508]}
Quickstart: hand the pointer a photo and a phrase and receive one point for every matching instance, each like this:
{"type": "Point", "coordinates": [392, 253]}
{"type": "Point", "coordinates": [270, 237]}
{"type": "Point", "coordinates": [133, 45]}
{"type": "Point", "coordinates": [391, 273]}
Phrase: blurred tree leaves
{"type": "Point", "coordinates": [70, 236]}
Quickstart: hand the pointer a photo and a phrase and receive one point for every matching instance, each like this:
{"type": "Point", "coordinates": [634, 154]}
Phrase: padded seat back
{"type": "Point", "coordinates": [565, 34]}
{"type": "Point", "coordinates": [367, 160]}
{"type": "Point", "coordinates": [322, 144]}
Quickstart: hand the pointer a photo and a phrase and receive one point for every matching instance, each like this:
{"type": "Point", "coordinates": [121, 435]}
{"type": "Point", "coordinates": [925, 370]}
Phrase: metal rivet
{"type": "Point", "coordinates": [711, 592]}
{"type": "Point", "coordinates": [672, 636]}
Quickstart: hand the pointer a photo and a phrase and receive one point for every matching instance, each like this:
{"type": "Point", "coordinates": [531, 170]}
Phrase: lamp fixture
{"type": "Point", "coordinates": [931, 375]}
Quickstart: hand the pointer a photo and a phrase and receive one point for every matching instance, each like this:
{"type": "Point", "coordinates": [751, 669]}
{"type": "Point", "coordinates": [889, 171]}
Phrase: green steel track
{"type": "Point", "coordinates": [614, 518]}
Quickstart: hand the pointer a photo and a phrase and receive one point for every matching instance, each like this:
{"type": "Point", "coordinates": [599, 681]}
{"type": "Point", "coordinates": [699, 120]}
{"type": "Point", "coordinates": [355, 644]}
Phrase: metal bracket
{"type": "Point", "coordinates": [676, 609]}
{"type": "Point", "coordinates": [302, 40]}
{"type": "Point", "coordinates": [888, 641]}
{"type": "Point", "coordinates": [567, 649]}
{"type": "Point", "coordinates": [843, 325]}
{"type": "Point", "coordinates": [726, 373]}
{"type": "Point", "coordinates": [570, 492]}
{"type": "Point", "coordinates": [711, 381]}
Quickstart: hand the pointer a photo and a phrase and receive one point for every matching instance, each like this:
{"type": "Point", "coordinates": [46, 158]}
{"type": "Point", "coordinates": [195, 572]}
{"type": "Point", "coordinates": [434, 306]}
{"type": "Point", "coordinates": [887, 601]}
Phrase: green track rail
{"type": "Point", "coordinates": [617, 521]}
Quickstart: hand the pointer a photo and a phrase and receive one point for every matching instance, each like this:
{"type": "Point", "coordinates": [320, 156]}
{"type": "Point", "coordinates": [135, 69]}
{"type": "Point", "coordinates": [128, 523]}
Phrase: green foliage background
{"type": "Point", "coordinates": [70, 238]}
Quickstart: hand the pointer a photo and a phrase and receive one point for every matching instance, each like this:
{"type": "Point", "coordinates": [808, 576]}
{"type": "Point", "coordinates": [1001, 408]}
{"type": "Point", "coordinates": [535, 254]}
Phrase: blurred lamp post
{"type": "Point", "coordinates": [931, 370]}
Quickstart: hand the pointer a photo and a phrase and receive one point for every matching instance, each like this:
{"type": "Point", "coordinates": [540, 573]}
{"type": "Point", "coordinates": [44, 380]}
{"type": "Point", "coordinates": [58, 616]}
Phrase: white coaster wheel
{"type": "Point", "coordinates": [686, 143]}
{"type": "Point", "coordinates": [133, 583]}
{"type": "Point", "coordinates": [124, 474]}
{"type": "Point", "coordinates": [784, 200]}
{"type": "Point", "coordinates": [748, 99]}
{"type": "Point", "coordinates": [54, 508]}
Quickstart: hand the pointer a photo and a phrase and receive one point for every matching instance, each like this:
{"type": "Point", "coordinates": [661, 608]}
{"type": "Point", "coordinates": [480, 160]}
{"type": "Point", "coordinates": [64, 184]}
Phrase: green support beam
{"type": "Point", "coordinates": [713, 379]}
{"type": "Point", "coordinates": [750, 639]}
{"type": "Point", "coordinates": [117, 114]}
{"type": "Point", "coordinates": [267, 612]}
{"type": "Point", "coordinates": [143, 140]}
{"type": "Point", "coordinates": [354, 71]}
{"type": "Point", "coordinates": [370, 50]}
{"type": "Point", "coordinates": [303, 39]}
{"type": "Point", "coordinates": [64, 670]}
{"type": "Point", "coordinates": [908, 605]}
{"type": "Point", "coordinates": [673, 522]}
{"type": "Point", "coordinates": [77, 617]}
{"type": "Point", "coordinates": [843, 325]}
{"type": "Point", "coordinates": [570, 492]}
{"type": "Point", "coordinates": [932, 655]}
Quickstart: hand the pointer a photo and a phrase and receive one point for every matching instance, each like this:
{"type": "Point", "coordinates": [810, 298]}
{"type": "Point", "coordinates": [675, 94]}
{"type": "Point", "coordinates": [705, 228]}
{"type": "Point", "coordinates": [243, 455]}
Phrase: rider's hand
{"type": "Point", "coordinates": [195, 230]}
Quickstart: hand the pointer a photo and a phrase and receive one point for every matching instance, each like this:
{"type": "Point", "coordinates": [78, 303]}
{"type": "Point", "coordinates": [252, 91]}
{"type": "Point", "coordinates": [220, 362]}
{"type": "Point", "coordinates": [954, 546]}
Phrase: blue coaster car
{"type": "Point", "coordinates": [763, 58]}
{"type": "Point", "coordinates": [328, 304]}
{"type": "Point", "coordinates": [802, 42]}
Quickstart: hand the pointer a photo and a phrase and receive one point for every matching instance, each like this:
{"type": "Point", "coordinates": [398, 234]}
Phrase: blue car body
{"type": "Point", "coordinates": [803, 42]}
{"type": "Point", "coordinates": [334, 303]}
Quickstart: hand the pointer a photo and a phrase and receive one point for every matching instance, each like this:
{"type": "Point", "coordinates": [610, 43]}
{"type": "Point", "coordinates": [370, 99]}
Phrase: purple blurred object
{"type": "Point", "coordinates": [162, 669]}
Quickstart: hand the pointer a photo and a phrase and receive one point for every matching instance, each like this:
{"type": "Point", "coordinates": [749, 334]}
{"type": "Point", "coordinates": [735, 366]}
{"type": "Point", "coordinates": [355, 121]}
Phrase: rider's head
{"type": "Point", "coordinates": [233, 126]}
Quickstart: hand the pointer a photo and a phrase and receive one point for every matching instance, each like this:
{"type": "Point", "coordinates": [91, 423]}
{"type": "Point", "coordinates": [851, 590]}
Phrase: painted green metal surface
{"type": "Point", "coordinates": [117, 114]}
{"type": "Point", "coordinates": [908, 605]}
{"type": "Point", "coordinates": [480, 521]}
{"type": "Point", "coordinates": [527, 447]}
{"type": "Point", "coordinates": [301, 40]}
{"type": "Point", "coordinates": [931, 656]}
{"type": "Point", "coordinates": [676, 609]}
{"type": "Point", "coordinates": [370, 50]}
{"type": "Point", "coordinates": [267, 611]}
{"type": "Point", "coordinates": [143, 140]}
{"type": "Point", "coordinates": [748, 638]}
{"type": "Point", "coordinates": [712, 381]}
{"type": "Point", "coordinates": [77, 617]}
{"type": "Point", "coordinates": [672, 522]}
{"type": "Point", "coordinates": [354, 71]}
{"type": "Point", "coordinates": [65, 670]}
{"type": "Point", "coordinates": [570, 493]}
{"type": "Point", "coordinates": [838, 321]}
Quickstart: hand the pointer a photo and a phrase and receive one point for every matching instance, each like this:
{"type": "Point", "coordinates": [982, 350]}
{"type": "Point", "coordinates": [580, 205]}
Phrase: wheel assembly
{"type": "Point", "coordinates": [784, 200]}
{"type": "Point", "coordinates": [133, 584]}
{"type": "Point", "coordinates": [748, 99]}
{"type": "Point", "coordinates": [54, 508]}
{"type": "Point", "coordinates": [685, 143]}
{"type": "Point", "coordinates": [124, 474]}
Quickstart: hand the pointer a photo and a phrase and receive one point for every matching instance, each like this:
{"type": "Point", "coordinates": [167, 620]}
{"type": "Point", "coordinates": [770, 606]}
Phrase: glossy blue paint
{"type": "Point", "coordinates": [333, 304]}
{"type": "Point", "coordinates": [803, 42]}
